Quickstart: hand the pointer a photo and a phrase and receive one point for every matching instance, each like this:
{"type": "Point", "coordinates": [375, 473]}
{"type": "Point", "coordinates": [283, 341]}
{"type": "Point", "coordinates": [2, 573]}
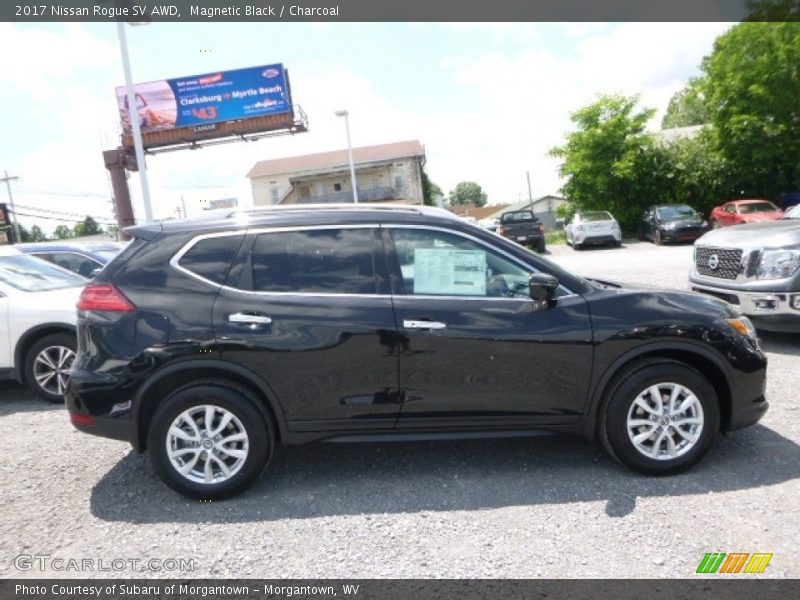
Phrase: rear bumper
{"type": "Point", "coordinates": [597, 238]}
{"type": "Point", "coordinates": [87, 399]}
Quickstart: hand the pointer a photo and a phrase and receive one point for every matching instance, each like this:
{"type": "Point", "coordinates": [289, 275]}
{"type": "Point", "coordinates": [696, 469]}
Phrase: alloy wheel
{"type": "Point", "coordinates": [207, 444]}
{"type": "Point", "coordinates": [51, 369]}
{"type": "Point", "coordinates": [665, 421]}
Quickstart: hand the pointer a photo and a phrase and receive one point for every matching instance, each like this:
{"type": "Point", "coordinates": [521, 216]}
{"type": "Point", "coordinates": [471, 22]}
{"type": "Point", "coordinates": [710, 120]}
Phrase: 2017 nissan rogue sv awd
{"type": "Point", "coordinates": [208, 342]}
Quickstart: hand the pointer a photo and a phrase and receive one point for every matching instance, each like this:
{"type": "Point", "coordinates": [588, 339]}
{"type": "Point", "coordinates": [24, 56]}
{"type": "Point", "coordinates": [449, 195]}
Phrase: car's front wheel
{"type": "Point", "coordinates": [660, 418]}
{"type": "Point", "coordinates": [47, 365]}
{"type": "Point", "coordinates": [210, 441]}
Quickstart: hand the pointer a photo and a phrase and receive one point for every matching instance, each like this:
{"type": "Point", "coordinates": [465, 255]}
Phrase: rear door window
{"type": "Point", "coordinates": [329, 261]}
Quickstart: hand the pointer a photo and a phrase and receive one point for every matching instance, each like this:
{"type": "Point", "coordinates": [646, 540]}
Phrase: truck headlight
{"type": "Point", "coordinates": [778, 264]}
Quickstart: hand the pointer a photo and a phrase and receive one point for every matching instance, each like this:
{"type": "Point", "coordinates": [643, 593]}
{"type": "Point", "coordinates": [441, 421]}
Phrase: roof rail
{"type": "Point", "coordinates": [329, 206]}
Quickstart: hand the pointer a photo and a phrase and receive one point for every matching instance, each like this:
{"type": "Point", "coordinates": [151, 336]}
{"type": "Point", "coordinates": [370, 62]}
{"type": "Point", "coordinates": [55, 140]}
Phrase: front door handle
{"type": "Point", "coordinates": [250, 321]}
{"type": "Point", "coordinates": [411, 324]}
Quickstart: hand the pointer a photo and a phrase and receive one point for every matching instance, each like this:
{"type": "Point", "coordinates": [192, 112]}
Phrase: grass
{"type": "Point", "coordinates": [554, 238]}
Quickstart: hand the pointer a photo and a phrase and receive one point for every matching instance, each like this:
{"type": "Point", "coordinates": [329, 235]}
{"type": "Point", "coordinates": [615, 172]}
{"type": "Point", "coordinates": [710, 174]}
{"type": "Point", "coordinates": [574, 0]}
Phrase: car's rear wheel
{"type": "Point", "coordinates": [210, 441]}
{"type": "Point", "coordinates": [47, 365]}
{"type": "Point", "coordinates": [541, 247]}
{"type": "Point", "coordinates": [660, 418]}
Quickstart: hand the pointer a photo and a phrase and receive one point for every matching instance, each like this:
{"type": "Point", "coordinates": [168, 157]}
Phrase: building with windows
{"type": "Point", "coordinates": [384, 173]}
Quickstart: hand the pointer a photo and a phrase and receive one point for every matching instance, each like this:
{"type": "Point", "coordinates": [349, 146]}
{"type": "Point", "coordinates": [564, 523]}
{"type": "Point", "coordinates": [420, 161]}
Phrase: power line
{"type": "Point", "coordinates": [110, 221]}
{"type": "Point", "coordinates": [68, 194]}
{"type": "Point", "coordinates": [49, 211]}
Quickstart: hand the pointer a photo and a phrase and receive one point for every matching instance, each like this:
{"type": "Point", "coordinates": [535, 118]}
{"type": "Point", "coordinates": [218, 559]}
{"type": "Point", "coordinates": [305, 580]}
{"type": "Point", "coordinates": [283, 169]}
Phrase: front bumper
{"type": "Point", "coordinates": [770, 310]}
{"type": "Point", "coordinates": [682, 235]}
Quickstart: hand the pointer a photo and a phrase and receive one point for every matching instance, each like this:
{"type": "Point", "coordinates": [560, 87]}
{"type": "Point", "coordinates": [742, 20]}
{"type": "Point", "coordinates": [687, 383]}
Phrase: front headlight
{"type": "Point", "coordinates": [778, 264]}
{"type": "Point", "coordinates": [670, 225]}
{"type": "Point", "coordinates": [579, 228]}
{"type": "Point", "coordinates": [704, 223]}
{"type": "Point", "coordinates": [743, 326]}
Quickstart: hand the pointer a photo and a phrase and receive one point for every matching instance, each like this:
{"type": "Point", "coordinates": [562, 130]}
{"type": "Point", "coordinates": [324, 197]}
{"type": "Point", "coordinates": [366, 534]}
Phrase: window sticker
{"type": "Point", "coordinates": [449, 272]}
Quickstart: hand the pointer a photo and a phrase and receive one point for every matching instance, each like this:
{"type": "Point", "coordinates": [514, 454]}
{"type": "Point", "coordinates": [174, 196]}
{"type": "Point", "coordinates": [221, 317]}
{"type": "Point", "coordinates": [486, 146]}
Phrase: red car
{"type": "Point", "coordinates": [738, 212]}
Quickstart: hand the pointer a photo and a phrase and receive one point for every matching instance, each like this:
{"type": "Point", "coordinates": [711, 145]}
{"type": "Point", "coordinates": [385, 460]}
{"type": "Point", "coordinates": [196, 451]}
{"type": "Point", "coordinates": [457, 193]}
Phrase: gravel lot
{"type": "Point", "coordinates": [542, 507]}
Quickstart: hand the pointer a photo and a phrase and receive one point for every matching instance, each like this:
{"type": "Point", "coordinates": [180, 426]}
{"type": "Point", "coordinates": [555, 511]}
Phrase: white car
{"type": "Point", "coordinates": [592, 227]}
{"type": "Point", "coordinates": [37, 322]}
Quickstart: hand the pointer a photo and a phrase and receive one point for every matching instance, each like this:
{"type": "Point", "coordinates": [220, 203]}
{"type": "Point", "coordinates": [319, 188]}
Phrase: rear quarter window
{"type": "Point", "coordinates": [211, 258]}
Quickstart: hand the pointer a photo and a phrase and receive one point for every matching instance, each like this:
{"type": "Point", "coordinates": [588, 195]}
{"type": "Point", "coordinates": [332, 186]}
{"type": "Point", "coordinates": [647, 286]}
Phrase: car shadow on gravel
{"type": "Point", "coordinates": [323, 480]}
{"type": "Point", "coordinates": [15, 398]}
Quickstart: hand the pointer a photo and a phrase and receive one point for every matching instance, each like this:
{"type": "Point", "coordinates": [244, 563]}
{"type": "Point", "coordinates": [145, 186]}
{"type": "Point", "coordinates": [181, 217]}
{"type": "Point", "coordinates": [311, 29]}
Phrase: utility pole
{"type": "Point", "coordinates": [530, 195]}
{"type": "Point", "coordinates": [8, 180]}
{"type": "Point", "coordinates": [183, 204]}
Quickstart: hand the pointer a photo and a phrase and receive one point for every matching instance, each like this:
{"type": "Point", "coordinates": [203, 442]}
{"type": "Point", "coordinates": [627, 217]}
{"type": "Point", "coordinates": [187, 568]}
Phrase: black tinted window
{"type": "Point", "coordinates": [338, 261]}
{"type": "Point", "coordinates": [211, 258]}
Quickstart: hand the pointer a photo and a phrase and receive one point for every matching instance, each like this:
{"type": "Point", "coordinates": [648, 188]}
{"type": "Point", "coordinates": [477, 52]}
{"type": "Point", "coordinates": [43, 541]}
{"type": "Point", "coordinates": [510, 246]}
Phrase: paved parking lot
{"type": "Point", "coordinates": [542, 507]}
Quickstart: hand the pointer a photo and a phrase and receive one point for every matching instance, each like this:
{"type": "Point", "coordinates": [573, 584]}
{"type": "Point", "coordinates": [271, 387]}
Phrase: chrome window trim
{"type": "Point", "coordinates": [175, 261]}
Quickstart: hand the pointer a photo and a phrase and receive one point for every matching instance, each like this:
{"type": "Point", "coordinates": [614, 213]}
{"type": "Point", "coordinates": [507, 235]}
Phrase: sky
{"type": "Point", "coordinates": [486, 100]}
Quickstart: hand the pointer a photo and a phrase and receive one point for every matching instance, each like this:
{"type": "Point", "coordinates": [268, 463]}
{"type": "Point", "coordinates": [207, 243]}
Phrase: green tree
{"type": "Point", "coordinates": [429, 190]}
{"type": "Point", "coordinates": [37, 235]}
{"type": "Point", "coordinates": [88, 227]}
{"type": "Point", "coordinates": [24, 235]}
{"type": "Point", "coordinates": [467, 192]}
{"type": "Point", "coordinates": [610, 163]}
{"type": "Point", "coordinates": [62, 232]}
{"type": "Point", "coordinates": [753, 97]}
{"type": "Point", "coordinates": [687, 107]}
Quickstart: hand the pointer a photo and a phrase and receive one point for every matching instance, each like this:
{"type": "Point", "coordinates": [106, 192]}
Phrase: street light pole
{"type": "Point", "coordinates": [346, 114]}
{"type": "Point", "coordinates": [133, 114]}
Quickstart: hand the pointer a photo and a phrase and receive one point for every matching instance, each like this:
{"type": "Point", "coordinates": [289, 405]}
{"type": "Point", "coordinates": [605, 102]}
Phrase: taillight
{"type": "Point", "coordinates": [501, 231]}
{"type": "Point", "coordinates": [541, 227]}
{"type": "Point", "coordinates": [104, 297]}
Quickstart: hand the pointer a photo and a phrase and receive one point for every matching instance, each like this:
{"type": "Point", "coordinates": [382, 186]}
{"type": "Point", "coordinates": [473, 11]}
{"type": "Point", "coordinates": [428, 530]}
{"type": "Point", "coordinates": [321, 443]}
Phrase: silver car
{"type": "Point", "coordinates": [592, 227]}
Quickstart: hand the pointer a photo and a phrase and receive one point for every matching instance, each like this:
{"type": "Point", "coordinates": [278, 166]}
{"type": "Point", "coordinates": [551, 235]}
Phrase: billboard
{"type": "Point", "coordinates": [201, 101]}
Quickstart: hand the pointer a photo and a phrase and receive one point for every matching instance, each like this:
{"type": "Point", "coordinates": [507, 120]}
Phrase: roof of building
{"type": "Point", "coordinates": [478, 212]}
{"type": "Point", "coordinates": [336, 158]}
{"type": "Point", "coordinates": [523, 204]}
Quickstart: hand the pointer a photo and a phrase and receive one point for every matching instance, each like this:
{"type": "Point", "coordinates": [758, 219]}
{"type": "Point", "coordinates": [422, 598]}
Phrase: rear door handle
{"type": "Point", "coordinates": [410, 324]}
{"type": "Point", "coordinates": [251, 321]}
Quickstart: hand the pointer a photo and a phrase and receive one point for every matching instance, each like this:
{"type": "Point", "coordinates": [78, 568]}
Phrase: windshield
{"type": "Point", "coordinates": [669, 213]}
{"type": "Point", "coordinates": [599, 215]}
{"type": "Point", "coordinates": [757, 207]}
{"type": "Point", "coordinates": [31, 274]}
{"type": "Point", "coordinates": [106, 255]}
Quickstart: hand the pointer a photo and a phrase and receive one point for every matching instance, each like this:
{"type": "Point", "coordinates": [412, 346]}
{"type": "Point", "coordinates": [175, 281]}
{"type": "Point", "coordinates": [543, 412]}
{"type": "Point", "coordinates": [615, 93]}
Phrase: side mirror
{"type": "Point", "coordinates": [542, 289]}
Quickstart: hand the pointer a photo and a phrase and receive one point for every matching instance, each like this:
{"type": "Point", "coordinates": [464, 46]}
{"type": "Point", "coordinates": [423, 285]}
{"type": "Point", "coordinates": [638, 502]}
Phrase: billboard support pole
{"type": "Point", "coordinates": [115, 161]}
{"type": "Point", "coordinates": [133, 114]}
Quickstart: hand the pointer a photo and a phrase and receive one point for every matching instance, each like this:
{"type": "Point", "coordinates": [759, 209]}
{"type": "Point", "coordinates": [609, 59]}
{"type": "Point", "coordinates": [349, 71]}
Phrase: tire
{"type": "Point", "coordinates": [657, 239]}
{"type": "Point", "coordinates": [245, 458]}
{"type": "Point", "coordinates": [541, 246]}
{"type": "Point", "coordinates": [623, 409]}
{"type": "Point", "coordinates": [47, 363]}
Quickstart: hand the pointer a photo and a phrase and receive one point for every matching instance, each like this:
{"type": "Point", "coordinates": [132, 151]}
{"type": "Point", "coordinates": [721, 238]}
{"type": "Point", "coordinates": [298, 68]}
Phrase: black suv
{"type": "Point", "coordinates": [208, 342]}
